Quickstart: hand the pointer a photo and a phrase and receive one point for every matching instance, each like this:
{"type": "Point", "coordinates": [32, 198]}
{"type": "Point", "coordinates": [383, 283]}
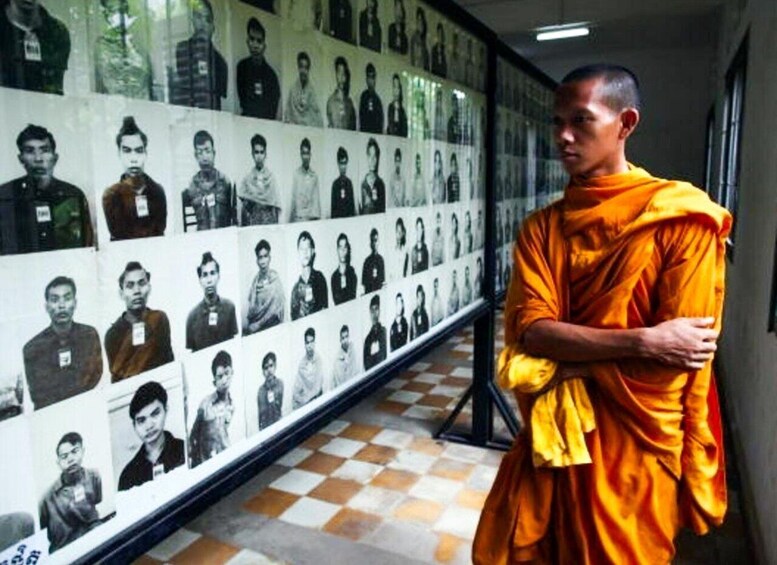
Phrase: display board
{"type": "Point", "coordinates": [527, 174]}
{"type": "Point", "coordinates": [215, 218]}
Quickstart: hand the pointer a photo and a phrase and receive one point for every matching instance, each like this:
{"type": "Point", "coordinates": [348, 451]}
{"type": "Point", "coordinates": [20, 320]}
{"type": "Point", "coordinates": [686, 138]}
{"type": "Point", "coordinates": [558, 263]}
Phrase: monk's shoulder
{"type": "Point", "coordinates": [540, 222]}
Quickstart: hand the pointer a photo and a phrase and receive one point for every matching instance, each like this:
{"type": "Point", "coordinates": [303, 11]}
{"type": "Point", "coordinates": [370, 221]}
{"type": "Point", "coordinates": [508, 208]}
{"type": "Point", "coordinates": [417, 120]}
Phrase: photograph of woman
{"type": "Point", "coordinates": [400, 258]}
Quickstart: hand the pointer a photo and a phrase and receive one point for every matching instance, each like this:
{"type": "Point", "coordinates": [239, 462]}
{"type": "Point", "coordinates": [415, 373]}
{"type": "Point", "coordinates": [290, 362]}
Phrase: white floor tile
{"type": "Point", "coordinates": [437, 489]}
{"type": "Point", "coordinates": [295, 457]}
{"type": "Point", "coordinates": [413, 461]}
{"type": "Point", "coordinates": [462, 372]}
{"type": "Point", "coordinates": [342, 447]}
{"type": "Point", "coordinates": [406, 396]}
{"type": "Point", "coordinates": [468, 347]}
{"type": "Point", "coordinates": [467, 453]}
{"type": "Point", "coordinates": [172, 544]}
{"type": "Point", "coordinates": [420, 367]}
{"type": "Point", "coordinates": [248, 557]}
{"type": "Point", "coordinates": [461, 522]}
{"type": "Point", "coordinates": [456, 339]}
{"type": "Point", "coordinates": [393, 438]}
{"type": "Point", "coordinates": [395, 384]}
{"type": "Point", "coordinates": [482, 477]}
{"type": "Point", "coordinates": [297, 481]}
{"type": "Point", "coordinates": [376, 500]}
{"type": "Point", "coordinates": [422, 412]}
{"type": "Point", "coordinates": [335, 427]}
{"type": "Point", "coordinates": [429, 378]}
{"type": "Point", "coordinates": [445, 390]}
{"type": "Point", "coordinates": [310, 512]}
{"type": "Point", "coordinates": [358, 471]}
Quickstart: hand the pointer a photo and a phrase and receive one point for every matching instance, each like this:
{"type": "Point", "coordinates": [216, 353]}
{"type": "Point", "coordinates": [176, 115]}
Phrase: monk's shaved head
{"type": "Point", "coordinates": [620, 88]}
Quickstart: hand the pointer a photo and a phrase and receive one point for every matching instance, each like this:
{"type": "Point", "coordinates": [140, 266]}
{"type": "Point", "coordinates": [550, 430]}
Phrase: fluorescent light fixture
{"type": "Point", "coordinates": [548, 34]}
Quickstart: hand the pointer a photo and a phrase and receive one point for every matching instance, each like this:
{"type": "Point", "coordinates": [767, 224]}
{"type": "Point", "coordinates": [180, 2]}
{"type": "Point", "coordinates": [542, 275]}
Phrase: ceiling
{"type": "Point", "coordinates": [615, 24]}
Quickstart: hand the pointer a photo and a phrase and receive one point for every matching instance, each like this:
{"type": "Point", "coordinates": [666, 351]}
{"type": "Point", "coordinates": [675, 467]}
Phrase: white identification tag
{"type": "Point", "coordinates": [370, 30]}
{"type": "Point", "coordinates": [374, 348]}
{"type": "Point", "coordinates": [342, 281]}
{"type": "Point", "coordinates": [308, 294]}
{"type": "Point", "coordinates": [43, 213]}
{"type": "Point", "coordinates": [374, 273]}
{"type": "Point", "coordinates": [141, 205]}
{"type": "Point", "coordinates": [32, 48]}
{"type": "Point", "coordinates": [210, 200]}
{"type": "Point", "coordinates": [65, 358]}
{"type": "Point", "coordinates": [370, 107]}
{"type": "Point", "coordinates": [258, 89]}
{"type": "Point", "coordinates": [342, 194]}
{"type": "Point", "coordinates": [202, 67]}
{"type": "Point", "coordinates": [270, 396]}
{"type": "Point", "coordinates": [79, 494]}
{"type": "Point", "coordinates": [342, 13]}
{"type": "Point", "coordinates": [158, 470]}
{"type": "Point", "coordinates": [138, 333]}
{"type": "Point", "coordinates": [213, 318]}
{"type": "Point", "coordinates": [375, 194]}
{"type": "Point", "coordinates": [418, 320]}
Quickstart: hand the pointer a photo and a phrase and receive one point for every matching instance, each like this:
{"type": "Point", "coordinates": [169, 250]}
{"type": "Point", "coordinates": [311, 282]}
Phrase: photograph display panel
{"type": "Point", "coordinates": [165, 146]}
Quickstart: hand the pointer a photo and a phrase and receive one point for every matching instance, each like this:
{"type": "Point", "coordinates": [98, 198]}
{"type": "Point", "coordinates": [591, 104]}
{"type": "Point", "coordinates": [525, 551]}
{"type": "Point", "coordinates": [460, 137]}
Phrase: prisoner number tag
{"type": "Point", "coordinates": [79, 494]}
{"type": "Point", "coordinates": [270, 396]}
{"type": "Point", "coordinates": [158, 470]}
{"type": "Point", "coordinates": [65, 358]}
{"type": "Point", "coordinates": [342, 281]}
{"type": "Point", "coordinates": [342, 194]}
{"type": "Point", "coordinates": [374, 194]}
{"type": "Point", "coordinates": [210, 200]}
{"type": "Point", "coordinates": [418, 319]}
{"type": "Point", "coordinates": [374, 348]}
{"type": "Point", "coordinates": [213, 318]}
{"type": "Point", "coordinates": [141, 205]}
{"type": "Point", "coordinates": [374, 273]}
{"type": "Point", "coordinates": [32, 48]}
{"type": "Point", "coordinates": [138, 333]}
{"type": "Point", "coordinates": [258, 89]}
{"type": "Point", "coordinates": [308, 294]}
{"type": "Point", "coordinates": [202, 67]}
{"type": "Point", "coordinates": [43, 213]}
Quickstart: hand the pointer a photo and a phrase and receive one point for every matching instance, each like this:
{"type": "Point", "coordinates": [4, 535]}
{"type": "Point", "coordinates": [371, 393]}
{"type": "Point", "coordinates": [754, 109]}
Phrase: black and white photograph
{"type": "Point", "coordinates": [263, 290]}
{"type": "Point", "coordinates": [310, 355]}
{"type": "Point", "coordinates": [418, 307]}
{"type": "Point", "coordinates": [139, 294]}
{"type": "Point", "coordinates": [341, 174]}
{"type": "Point", "coordinates": [305, 14]}
{"type": "Point", "coordinates": [399, 247]}
{"type": "Point", "coordinates": [439, 63]}
{"type": "Point", "coordinates": [372, 102]}
{"type": "Point", "coordinates": [372, 193]}
{"type": "Point", "coordinates": [215, 403]}
{"type": "Point", "coordinates": [148, 433]}
{"type": "Point", "coordinates": [421, 241]}
{"type": "Point", "coordinates": [453, 180]}
{"type": "Point", "coordinates": [417, 184]}
{"type": "Point", "coordinates": [397, 105]}
{"type": "Point", "coordinates": [398, 30]}
{"type": "Point", "coordinates": [438, 236]}
{"type": "Point", "coordinates": [341, 86]}
{"type": "Point", "coordinates": [440, 111]}
{"type": "Point", "coordinates": [370, 25]}
{"type": "Point", "coordinates": [73, 470]}
{"type": "Point", "coordinates": [344, 280]}
{"type": "Point", "coordinates": [399, 178]}
{"type": "Point", "coordinates": [400, 301]}
{"type": "Point", "coordinates": [438, 304]}
{"type": "Point", "coordinates": [18, 520]}
{"type": "Point", "coordinates": [375, 313]}
{"type": "Point", "coordinates": [304, 71]}
{"type": "Point", "coordinates": [301, 177]}
{"type": "Point", "coordinates": [256, 51]}
{"type": "Point", "coordinates": [373, 277]}
{"type": "Point", "coordinates": [268, 374]}
{"type": "Point", "coordinates": [132, 176]}
{"type": "Point", "coordinates": [12, 378]}
{"type": "Point", "coordinates": [309, 293]}
{"type": "Point", "coordinates": [342, 20]}
{"type": "Point", "coordinates": [419, 103]}
{"type": "Point", "coordinates": [344, 343]}
{"type": "Point", "coordinates": [439, 180]}
{"type": "Point", "coordinates": [420, 39]}
{"type": "Point", "coordinates": [259, 161]}
{"type": "Point", "coordinates": [46, 196]}
{"type": "Point", "coordinates": [454, 245]}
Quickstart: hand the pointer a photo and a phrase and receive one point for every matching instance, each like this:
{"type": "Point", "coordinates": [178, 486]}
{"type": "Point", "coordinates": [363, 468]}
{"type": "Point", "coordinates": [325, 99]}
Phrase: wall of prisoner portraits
{"type": "Point", "coordinates": [216, 216]}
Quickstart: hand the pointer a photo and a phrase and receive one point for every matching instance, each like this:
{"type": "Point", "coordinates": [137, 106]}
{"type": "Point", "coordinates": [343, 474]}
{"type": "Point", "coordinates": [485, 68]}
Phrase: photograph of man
{"type": "Point", "coordinates": [479, 241]}
{"type": "Point", "coordinates": [340, 111]}
{"type": "Point", "coordinates": [343, 201]}
{"type": "Point", "coordinates": [420, 123]}
{"type": "Point", "coordinates": [269, 398]}
{"type": "Point", "coordinates": [201, 73]}
{"type": "Point", "coordinates": [466, 292]}
{"type": "Point", "coordinates": [34, 47]}
{"type": "Point", "coordinates": [64, 359]}
{"type": "Point", "coordinates": [400, 257]}
{"type": "Point", "coordinates": [397, 117]}
{"type": "Point", "coordinates": [399, 327]}
{"type": "Point", "coordinates": [258, 191]}
{"type": "Point", "coordinates": [346, 364]}
{"type": "Point", "coordinates": [370, 104]}
{"type": "Point", "coordinates": [439, 56]}
{"type": "Point", "coordinates": [397, 33]}
{"type": "Point", "coordinates": [139, 340]}
{"type": "Point", "coordinates": [468, 239]}
{"type": "Point", "coordinates": [209, 201]}
{"type": "Point", "coordinates": [305, 197]}
{"type": "Point", "coordinates": [121, 66]}
{"type": "Point", "coordinates": [370, 32]}
{"type": "Point", "coordinates": [265, 296]}
{"type": "Point", "coordinates": [302, 103]}
{"type": "Point", "coordinates": [455, 67]}
{"type": "Point", "coordinates": [455, 126]}
{"type": "Point", "coordinates": [209, 435]}
{"type": "Point", "coordinates": [454, 182]}
{"type": "Point", "coordinates": [135, 206]}
{"type": "Point", "coordinates": [438, 242]}
{"type": "Point", "coordinates": [419, 52]}
{"type": "Point", "coordinates": [440, 125]}
{"type": "Point", "coordinates": [438, 313]}
{"type": "Point", "coordinates": [341, 20]}
{"type": "Point", "coordinates": [373, 189]}
{"type": "Point", "coordinates": [418, 195]}
{"type": "Point", "coordinates": [373, 270]}
{"type": "Point", "coordinates": [161, 452]}
{"type": "Point", "coordinates": [397, 185]}
{"type": "Point", "coordinates": [477, 286]}
{"type": "Point", "coordinates": [455, 242]}
{"type": "Point", "coordinates": [419, 321]}
{"type": "Point", "coordinates": [213, 320]}
{"type": "Point", "coordinates": [309, 294]}
{"type": "Point", "coordinates": [375, 342]}
{"type": "Point", "coordinates": [39, 212]}
{"type": "Point", "coordinates": [68, 510]}
{"type": "Point", "coordinates": [307, 14]}
{"type": "Point", "coordinates": [344, 276]}
{"type": "Point", "coordinates": [310, 374]}
{"type": "Point", "coordinates": [439, 184]}
{"type": "Point", "coordinates": [420, 261]}
{"type": "Point", "coordinates": [258, 88]}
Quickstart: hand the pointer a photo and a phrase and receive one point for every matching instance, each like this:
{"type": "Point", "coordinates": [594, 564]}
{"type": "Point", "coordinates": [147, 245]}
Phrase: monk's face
{"type": "Point", "coordinates": [587, 132]}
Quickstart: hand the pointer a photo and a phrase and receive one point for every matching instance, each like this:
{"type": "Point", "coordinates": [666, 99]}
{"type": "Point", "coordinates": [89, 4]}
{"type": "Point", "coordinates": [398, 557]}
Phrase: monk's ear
{"type": "Point", "coordinates": [629, 120]}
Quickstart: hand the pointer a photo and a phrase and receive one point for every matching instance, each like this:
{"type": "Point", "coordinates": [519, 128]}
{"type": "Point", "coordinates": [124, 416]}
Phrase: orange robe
{"type": "Point", "coordinates": [622, 251]}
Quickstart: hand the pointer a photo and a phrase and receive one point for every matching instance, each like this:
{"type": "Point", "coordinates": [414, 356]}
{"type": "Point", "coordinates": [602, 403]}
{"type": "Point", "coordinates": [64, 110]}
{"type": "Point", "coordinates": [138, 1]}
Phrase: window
{"type": "Point", "coordinates": [731, 133]}
{"type": "Point", "coordinates": [709, 146]}
{"type": "Point", "coordinates": [773, 306]}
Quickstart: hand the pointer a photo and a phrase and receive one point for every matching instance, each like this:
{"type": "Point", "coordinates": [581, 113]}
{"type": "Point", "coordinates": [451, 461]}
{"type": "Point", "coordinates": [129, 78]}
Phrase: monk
{"type": "Point", "coordinates": [618, 289]}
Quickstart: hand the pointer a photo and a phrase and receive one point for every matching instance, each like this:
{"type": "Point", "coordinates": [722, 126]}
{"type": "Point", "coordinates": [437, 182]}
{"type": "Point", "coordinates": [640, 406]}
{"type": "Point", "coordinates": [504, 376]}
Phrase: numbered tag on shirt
{"type": "Point", "coordinates": [79, 493]}
{"type": "Point", "coordinates": [65, 358]}
{"type": "Point", "coordinates": [370, 29]}
{"type": "Point", "coordinates": [210, 200]}
{"type": "Point", "coordinates": [141, 205]}
{"type": "Point", "coordinates": [158, 470]}
{"type": "Point", "coordinates": [374, 273]}
{"type": "Point", "coordinates": [342, 194]}
{"type": "Point", "coordinates": [138, 333]}
{"type": "Point", "coordinates": [270, 396]}
{"type": "Point", "coordinates": [213, 318]}
{"type": "Point", "coordinates": [374, 194]}
{"type": "Point", "coordinates": [342, 281]}
{"type": "Point", "coordinates": [43, 213]}
{"type": "Point", "coordinates": [308, 294]}
{"type": "Point", "coordinates": [32, 48]}
{"type": "Point", "coordinates": [370, 106]}
{"type": "Point", "coordinates": [374, 348]}
{"type": "Point", "coordinates": [418, 320]}
{"type": "Point", "coordinates": [202, 67]}
{"type": "Point", "coordinates": [258, 89]}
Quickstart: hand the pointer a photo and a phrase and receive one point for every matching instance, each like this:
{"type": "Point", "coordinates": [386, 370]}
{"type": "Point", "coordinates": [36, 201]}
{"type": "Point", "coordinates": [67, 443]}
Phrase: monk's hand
{"type": "Point", "coordinates": [566, 371]}
{"type": "Point", "coordinates": [684, 343]}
